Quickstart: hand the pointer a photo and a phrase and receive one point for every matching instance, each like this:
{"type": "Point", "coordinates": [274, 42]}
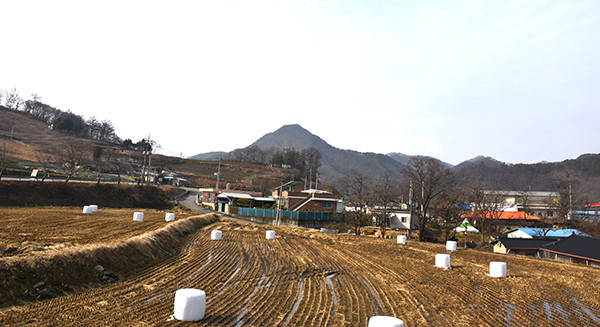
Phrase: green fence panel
{"type": "Point", "coordinates": [298, 215]}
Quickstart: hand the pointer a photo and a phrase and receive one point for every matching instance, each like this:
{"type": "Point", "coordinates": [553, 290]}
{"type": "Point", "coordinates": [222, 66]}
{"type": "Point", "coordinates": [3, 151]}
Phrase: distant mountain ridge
{"type": "Point", "coordinates": [209, 155]}
{"type": "Point", "coordinates": [583, 172]}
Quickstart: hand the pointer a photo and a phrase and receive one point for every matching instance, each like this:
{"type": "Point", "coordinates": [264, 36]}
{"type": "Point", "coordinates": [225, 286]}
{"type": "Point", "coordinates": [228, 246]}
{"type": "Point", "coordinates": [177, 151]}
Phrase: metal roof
{"type": "Point", "coordinates": [236, 195]}
{"type": "Point", "coordinates": [539, 232]}
{"type": "Point", "coordinates": [264, 199]}
{"type": "Point", "coordinates": [584, 247]}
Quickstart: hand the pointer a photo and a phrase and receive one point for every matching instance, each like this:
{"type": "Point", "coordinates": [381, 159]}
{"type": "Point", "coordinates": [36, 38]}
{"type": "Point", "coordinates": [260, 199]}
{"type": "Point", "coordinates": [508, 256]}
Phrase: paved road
{"type": "Point", "coordinates": [189, 201]}
{"type": "Point", "coordinates": [60, 180]}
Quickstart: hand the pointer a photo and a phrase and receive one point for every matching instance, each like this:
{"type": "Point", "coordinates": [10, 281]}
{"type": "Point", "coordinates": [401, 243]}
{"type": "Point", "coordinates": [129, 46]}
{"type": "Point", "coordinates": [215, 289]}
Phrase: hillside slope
{"type": "Point", "coordinates": [583, 174]}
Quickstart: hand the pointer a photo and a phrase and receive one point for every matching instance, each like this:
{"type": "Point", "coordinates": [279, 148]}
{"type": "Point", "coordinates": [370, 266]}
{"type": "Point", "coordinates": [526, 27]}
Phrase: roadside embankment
{"type": "Point", "coordinates": [35, 194]}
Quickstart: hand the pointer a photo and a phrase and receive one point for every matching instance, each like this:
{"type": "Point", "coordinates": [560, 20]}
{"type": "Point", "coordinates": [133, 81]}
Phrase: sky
{"type": "Point", "coordinates": [515, 80]}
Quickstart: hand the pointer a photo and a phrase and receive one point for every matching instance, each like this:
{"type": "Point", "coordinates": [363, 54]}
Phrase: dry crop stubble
{"type": "Point", "coordinates": [303, 278]}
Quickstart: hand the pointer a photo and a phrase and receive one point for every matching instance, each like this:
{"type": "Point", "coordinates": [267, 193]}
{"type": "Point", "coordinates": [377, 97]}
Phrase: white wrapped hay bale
{"type": "Point", "coordinates": [87, 209]}
{"type": "Point", "coordinates": [498, 269]}
{"type": "Point", "coordinates": [385, 321]}
{"type": "Point", "coordinates": [94, 207]}
{"type": "Point", "coordinates": [270, 235]}
{"type": "Point", "coordinates": [401, 239]}
{"type": "Point", "coordinates": [169, 216]}
{"type": "Point", "coordinates": [138, 216]}
{"type": "Point", "coordinates": [451, 246]}
{"type": "Point", "coordinates": [216, 235]}
{"type": "Point", "coordinates": [442, 261]}
{"type": "Point", "coordinates": [190, 304]}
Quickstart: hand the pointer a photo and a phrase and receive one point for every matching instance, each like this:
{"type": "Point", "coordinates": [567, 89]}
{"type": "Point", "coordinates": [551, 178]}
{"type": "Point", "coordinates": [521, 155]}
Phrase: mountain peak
{"type": "Point", "coordinates": [291, 136]}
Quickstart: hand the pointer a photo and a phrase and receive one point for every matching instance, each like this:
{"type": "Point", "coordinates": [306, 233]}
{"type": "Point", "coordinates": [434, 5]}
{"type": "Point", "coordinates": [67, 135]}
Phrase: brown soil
{"type": "Point", "coordinates": [306, 278]}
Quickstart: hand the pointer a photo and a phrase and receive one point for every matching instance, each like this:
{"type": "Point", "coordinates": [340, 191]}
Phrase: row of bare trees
{"type": "Point", "coordinates": [437, 202]}
{"type": "Point", "coordinates": [72, 157]}
{"type": "Point", "coordinates": [426, 181]}
{"type": "Point", "coordinates": [64, 121]}
{"type": "Point", "coordinates": [305, 162]}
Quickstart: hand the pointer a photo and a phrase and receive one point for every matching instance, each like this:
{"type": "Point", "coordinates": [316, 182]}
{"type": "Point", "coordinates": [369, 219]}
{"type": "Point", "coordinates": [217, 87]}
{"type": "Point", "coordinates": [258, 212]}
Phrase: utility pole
{"type": "Point", "coordinates": [422, 197]}
{"type": "Point", "coordinates": [279, 204]}
{"type": "Point", "coordinates": [146, 154]}
{"type": "Point", "coordinates": [410, 210]}
{"type": "Point", "coordinates": [570, 203]}
{"type": "Point", "coordinates": [219, 175]}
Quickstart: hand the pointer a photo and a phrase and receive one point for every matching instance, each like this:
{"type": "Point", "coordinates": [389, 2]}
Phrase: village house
{"type": "Point", "coordinates": [308, 200]}
{"type": "Point", "coordinates": [533, 203]}
{"type": "Point", "coordinates": [221, 200]}
{"type": "Point", "coordinates": [591, 212]}
{"type": "Point", "coordinates": [523, 246]}
{"type": "Point", "coordinates": [576, 249]}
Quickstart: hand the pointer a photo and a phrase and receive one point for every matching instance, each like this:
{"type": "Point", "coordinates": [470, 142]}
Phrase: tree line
{"type": "Point", "coordinates": [439, 204]}
{"type": "Point", "coordinates": [305, 163]}
{"type": "Point", "coordinates": [64, 121]}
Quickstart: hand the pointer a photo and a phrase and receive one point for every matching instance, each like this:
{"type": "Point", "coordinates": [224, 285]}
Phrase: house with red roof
{"type": "Point", "coordinates": [506, 215]}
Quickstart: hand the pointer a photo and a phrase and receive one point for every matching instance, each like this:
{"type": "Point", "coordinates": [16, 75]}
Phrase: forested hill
{"type": "Point", "coordinates": [336, 163]}
{"type": "Point", "coordinates": [583, 174]}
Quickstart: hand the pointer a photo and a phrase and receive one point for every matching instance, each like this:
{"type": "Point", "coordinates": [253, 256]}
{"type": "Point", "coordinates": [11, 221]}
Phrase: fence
{"type": "Point", "coordinates": [298, 215]}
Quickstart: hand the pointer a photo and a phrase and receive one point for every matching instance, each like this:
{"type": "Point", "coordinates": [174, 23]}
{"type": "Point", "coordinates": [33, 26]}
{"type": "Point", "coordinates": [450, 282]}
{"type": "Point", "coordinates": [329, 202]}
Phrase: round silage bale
{"type": "Point", "coordinates": [190, 304]}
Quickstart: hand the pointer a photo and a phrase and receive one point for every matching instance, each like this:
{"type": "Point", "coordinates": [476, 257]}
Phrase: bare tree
{"type": "Point", "coordinates": [72, 157]}
{"type": "Point", "coordinates": [107, 131]}
{"type": "Point", "coordinates": [548, 216]}
{"type": "Point", "coordinates": [44, 159]}
{"type": "Point", "coordinates": [4, 156]}
{"type": "Point", "coordinates": [431, 179]}
{"type": "Point", "coordinates": [386, 192]}
{"type": "Point", "coordinates": [115, 164]}
{"type": "Point", "coordinates": [356, 189]}
{"type": "Point", "coordinates": [449, 208]}
{"type": "Point", "coordinates": [100, 162]}
{"type": "Point", "coordinates": [264, 184]}
{"type": "Point", "coordinates": [488, 206]}
{"type": "Point", "coordinates": [312, 161]}
{"type": "Point", "coordinates": [36, 97]}
{"type": "Point", "coordinates": [13, 101]}
{"type": "Point", "coordinates": [564, 203]}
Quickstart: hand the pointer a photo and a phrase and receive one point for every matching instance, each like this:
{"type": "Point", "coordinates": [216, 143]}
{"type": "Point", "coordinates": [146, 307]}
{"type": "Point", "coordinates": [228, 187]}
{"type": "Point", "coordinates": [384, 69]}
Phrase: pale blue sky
{"type": "Point", "coordinates": [515, 80]}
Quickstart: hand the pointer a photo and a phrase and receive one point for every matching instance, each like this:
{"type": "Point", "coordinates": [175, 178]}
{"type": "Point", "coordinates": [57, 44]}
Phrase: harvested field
{"type": "Point", "coordinates": [37, 229]}
{"type": "Point", "coordinates": [306, 278]}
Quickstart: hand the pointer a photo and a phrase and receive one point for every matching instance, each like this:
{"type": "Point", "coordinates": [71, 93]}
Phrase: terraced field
{"type": "Point", "coordinates": [37, 229]}
{"type": "Point", "coordinates": [306, 278]}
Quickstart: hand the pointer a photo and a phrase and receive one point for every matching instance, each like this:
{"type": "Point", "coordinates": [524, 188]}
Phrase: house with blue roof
{"type": "Point", "coordinates": [542, 233]}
